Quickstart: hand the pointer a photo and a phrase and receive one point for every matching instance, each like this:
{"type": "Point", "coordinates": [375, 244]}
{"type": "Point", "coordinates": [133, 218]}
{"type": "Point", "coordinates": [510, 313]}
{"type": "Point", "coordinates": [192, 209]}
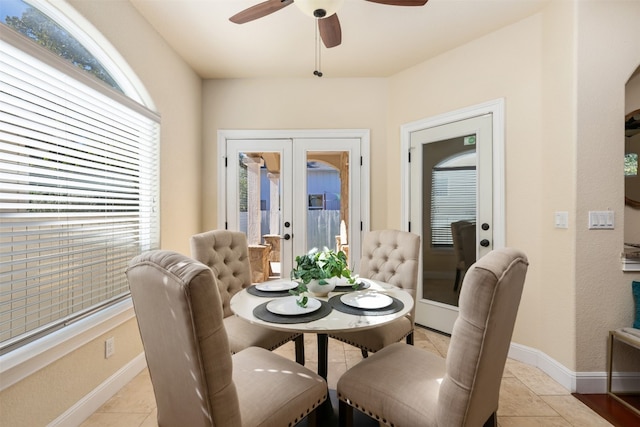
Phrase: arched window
{"type": "Point", "coordinates": [453, 196]}
{"type": "Point", "coordinates": [78, 177]}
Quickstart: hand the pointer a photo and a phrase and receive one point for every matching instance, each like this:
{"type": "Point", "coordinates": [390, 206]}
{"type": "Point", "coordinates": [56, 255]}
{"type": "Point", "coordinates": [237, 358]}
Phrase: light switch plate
{"type": "Point", "coordinates": [562, 219]}
{"type": "Point", "coordinates": [601, 220]}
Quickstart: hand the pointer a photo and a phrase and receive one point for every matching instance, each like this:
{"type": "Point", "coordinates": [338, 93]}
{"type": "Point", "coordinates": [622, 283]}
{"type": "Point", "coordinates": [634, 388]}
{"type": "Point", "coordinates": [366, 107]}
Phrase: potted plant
{"type": "Point", "coordinates": [316, 271]}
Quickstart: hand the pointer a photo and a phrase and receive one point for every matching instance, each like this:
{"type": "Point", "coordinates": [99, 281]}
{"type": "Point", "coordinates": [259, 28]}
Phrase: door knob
{"type": "Point", "coordinates": [287, 224]}
{"type": "Point", "coordinates": [485, 226]}
{"type": "Point", "coordinates": [484, 243]}
{"type": "Point", "coordinates": [287, 236]}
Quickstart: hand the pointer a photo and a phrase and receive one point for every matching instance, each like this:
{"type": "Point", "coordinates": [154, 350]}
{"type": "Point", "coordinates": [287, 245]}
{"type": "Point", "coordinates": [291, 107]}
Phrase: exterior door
{"type": "Point", "coordinates": [451, 180]}
{"type": "Point", "coordinates": [290, 195]}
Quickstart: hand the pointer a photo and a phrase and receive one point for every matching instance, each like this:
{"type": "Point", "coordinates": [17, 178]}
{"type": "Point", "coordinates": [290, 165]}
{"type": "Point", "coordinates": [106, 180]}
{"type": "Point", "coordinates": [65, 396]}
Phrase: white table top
{"type": "Point", "coordinates": [243, 304]}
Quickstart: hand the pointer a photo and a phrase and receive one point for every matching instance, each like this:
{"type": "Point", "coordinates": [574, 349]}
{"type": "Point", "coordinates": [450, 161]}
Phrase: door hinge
{"type": "Point", "coordinates": [409, 227]}
{"type": "Point", "coordinates": [360, 160]}
{"type": "Point", "coordinates": [225, 162]}
{"type": "Point", "coordinates": [409, 155]}
{"type": "Point", "coordinates": [361, 226]}
{"type": "Point", "coordinates": [226, 225]}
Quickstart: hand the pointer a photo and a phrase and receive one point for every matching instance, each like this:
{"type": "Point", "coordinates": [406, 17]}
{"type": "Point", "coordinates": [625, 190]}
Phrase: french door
{"type": "Point", "coordinates": [453, 184]}
{"type": "Point", "coordinates": [290, 195]}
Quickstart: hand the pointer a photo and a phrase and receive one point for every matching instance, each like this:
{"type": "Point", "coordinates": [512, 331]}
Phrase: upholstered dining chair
{"type": "Point", "coordinates": [195, 379]}
{"type": "Point", "coordinates": [227, 254]}
{"type": "Point", "coordinates": [402, 385]}
{"type": "Point", "coordinates": [390, 256]}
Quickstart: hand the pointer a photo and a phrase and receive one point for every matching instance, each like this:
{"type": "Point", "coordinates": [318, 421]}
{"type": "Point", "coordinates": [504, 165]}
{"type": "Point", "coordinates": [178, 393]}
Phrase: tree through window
{"type": "Point", "coordinates": [41, 29]}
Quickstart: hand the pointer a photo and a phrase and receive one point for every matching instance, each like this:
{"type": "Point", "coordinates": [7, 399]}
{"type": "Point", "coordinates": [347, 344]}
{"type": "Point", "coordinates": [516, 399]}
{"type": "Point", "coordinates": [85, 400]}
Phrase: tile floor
{"type": "Point", "coordinates": [528, 397]}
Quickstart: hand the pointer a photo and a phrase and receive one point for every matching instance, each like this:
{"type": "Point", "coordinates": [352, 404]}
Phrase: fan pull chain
{"type": "Point", "coordinates": [318, 70]}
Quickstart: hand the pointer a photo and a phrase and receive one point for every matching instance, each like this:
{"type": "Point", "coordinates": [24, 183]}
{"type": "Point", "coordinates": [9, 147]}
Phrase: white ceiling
{"type": "Point", "coordinates": [377, 40]}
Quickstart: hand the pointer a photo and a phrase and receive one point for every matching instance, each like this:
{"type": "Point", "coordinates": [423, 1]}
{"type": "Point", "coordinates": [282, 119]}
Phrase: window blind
{"type": "Point", "coordinates": [453, 198]}
{"type": "Point", "coordinates": [78, 195]}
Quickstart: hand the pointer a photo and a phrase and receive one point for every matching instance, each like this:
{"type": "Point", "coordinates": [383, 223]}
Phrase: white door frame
{"type": "Point", "coordinates": [496, 108]}
{"type": "Point", "coordinates": [307, 134]}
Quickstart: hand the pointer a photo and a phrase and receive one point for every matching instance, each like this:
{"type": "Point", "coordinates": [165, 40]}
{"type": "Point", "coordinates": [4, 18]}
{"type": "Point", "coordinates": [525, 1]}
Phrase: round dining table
{"type": "Point", "coordinates": [344, 309]}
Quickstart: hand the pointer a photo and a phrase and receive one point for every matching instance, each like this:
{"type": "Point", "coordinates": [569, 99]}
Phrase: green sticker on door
{"type": "Point", "coordinates": [470, 140]}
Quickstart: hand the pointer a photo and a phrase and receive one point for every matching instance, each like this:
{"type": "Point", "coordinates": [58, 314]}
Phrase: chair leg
{"type": "Point", "coordinates": [410, 338]}
{"type": "Point", "coordinates": [345, 414]}
{"type": "Point", "coordinates": [364, 352]}
{"type": "Point", "coordinates": [299, 341]}
{"type": "Point", "coordinates": [492, 421]}
{"type": "Point", "coordinates": [312, 418]}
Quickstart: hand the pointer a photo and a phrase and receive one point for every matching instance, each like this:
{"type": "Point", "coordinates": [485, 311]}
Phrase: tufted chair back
{"type": "Point", "coordinates": [391, 256]}
{"type": "Point", "coordinates": [185, 343]}
{"type": "Point", "coordinates": [227, 254]}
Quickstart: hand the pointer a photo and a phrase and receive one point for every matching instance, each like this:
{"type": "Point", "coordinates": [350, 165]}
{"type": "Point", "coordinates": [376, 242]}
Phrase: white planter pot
{"type": "Point", "coordinates": [321, 290]}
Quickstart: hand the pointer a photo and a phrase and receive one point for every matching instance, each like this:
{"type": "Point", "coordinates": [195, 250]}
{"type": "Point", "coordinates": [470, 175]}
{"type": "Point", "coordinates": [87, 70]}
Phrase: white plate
{"type": "Point", "coordinates": [276, 286]}
{"type": "Point", "coordinates": [289, 307]}
{"type": "Point", "coordinates": [366, 300]}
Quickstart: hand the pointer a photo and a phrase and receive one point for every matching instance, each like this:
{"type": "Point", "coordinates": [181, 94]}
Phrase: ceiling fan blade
{"type": "Point", "coordinates": [259, 10]}
{"type": "Point", "coordinates": [330, 30]}
{"type": "Point", "coordinates": [401, 2]}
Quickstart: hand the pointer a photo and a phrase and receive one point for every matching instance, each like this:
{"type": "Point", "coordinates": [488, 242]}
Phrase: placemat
{"type": "Point", "coordinates": [395, 306]}
{"type": "Point", "coordinates": [349, 288]}
{"type": "Point", "coordinates": [267, 294]}
{"type": "Point", "coordinates": [262, 313]}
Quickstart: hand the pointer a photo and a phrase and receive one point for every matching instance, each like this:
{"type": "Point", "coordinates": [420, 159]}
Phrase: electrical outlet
{"type": "Point", "coordinates": [109, 347]}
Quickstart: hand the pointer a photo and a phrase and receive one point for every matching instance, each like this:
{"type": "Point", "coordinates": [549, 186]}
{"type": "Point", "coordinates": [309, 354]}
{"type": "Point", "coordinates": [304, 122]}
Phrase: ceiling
{"type": "Point", "coordinates": [377, 40]}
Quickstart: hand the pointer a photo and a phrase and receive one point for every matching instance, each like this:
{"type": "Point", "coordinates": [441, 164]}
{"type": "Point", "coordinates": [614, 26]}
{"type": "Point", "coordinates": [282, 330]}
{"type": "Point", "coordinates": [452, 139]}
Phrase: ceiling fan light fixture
{"type": "Point", "coordinates": [319, 8]}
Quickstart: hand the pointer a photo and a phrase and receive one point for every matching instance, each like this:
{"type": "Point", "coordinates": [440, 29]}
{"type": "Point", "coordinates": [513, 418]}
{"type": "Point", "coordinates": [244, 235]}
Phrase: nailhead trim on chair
{"type": "Point", "coordinates": [313, 408]}
{"type": "Point", "coordinates": [368, 349]}
{"type": "Point", "coordinates": [365, 411]}
{"type": "Point", "coordinates": [274, 346]}
{"type": "Point", "coordinates": [282, 343]}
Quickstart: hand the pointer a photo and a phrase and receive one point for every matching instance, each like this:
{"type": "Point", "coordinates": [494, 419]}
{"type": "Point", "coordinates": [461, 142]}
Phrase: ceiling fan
{"type": "Point", "coordinates": [323, 10]}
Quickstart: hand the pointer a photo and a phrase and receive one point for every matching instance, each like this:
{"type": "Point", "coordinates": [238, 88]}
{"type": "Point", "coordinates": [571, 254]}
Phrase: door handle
{"type": "Point", "coordinates": [484, 243]}
{"type": "Point", "coordinates": [287, 236]}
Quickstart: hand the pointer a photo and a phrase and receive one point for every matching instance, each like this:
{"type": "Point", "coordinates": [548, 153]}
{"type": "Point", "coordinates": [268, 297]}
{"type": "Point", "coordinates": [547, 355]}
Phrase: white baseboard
{"type": "Point", "coordinates": [90, 403]}
{"type": "Point", "coordinates": [575, 382]}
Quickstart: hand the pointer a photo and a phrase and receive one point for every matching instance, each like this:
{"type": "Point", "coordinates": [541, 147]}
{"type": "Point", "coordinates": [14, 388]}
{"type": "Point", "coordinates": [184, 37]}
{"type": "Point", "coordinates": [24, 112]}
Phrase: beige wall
{"type": "Point", "coordinates": [508, 64]}
{"type": "Point", "coordinates": [176, 91]}
{"type": "Point", "coordinates": [48, 393]}
{"type": "Point", "coordinates": [313, 103]}
{"type": "Point", "coordinates": [607, 54]}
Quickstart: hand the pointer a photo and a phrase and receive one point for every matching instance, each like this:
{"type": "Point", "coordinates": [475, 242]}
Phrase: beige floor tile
{"type": "Point", "coordinates": [539, 382]}
{"type": "Point", "coordinates": [576, 412]}
{"type": "Point", "coordinates": [135, 397]}
{"type": "Point", "coordinates": [352, 357]}
{"type": "Point", "coordinates": [532, 422]}
{"type": "Point", "coordinates": [439, 341]}
{"type": "Point", "coordinates": [517, 400]}
{"type": "Point", "coordinates": [151, 420]}
{"type": "Point", "coordinates": [105, 419]}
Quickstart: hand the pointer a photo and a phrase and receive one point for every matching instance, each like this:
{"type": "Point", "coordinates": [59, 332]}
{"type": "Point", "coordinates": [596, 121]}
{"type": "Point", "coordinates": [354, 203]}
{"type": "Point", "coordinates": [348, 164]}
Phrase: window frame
{"type": "Point", "coordinates": [25, 360]}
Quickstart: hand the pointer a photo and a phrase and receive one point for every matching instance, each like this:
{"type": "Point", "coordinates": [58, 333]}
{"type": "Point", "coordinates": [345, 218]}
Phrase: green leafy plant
{"type": "Point", "coordinates": [321, 266]}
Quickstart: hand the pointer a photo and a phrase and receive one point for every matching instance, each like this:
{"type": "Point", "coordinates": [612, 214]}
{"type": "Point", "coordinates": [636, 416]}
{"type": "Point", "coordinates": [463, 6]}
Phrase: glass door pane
{"type": "Point", "coordinates": [255, 204]}
{"type": "Point", "coordinates": [449, 217]}
{"type": "Point", "coordinates": [327, 195]}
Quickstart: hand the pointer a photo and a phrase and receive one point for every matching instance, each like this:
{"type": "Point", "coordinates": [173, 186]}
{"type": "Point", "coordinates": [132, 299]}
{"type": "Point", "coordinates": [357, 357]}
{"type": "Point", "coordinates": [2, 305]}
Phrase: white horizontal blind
{"type": "Point", "coordinates": [453, 198]}
{"type": "Point", "coordinates": [78, 195]}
